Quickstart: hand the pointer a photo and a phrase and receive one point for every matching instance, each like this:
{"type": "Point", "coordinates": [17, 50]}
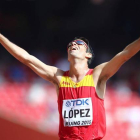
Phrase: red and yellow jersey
{"type": "Point", "coordinates": [81, 111]}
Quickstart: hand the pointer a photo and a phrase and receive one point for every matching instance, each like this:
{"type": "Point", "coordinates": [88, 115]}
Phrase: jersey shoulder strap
{"type": "Point", "coordinates": [90, 72]}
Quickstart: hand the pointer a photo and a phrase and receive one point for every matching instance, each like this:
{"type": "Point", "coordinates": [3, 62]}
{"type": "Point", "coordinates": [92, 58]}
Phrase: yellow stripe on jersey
{"type": "Point", "coordinates": [86, 81]}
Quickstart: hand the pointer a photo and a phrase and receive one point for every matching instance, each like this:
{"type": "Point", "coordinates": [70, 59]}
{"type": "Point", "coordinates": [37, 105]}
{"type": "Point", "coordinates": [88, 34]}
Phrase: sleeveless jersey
{"type": "Point", "coordinates": [81, 111]}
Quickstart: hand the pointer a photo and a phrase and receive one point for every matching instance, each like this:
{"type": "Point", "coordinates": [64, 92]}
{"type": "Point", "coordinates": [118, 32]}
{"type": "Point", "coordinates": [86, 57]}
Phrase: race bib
{"type": "Point", "coordinates": [77, 112]}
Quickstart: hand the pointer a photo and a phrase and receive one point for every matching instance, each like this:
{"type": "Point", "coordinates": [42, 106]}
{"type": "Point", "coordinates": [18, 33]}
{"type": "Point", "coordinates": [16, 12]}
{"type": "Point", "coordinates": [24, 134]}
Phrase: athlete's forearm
{"type": "Point", "coordinates": [132, 48]}
{"type": "Point", "coordinates": [13, 49]}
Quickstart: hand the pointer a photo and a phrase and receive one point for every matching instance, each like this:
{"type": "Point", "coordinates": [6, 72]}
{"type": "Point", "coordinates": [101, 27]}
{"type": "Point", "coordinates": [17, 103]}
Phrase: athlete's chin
{"type": "Point", "coordinates": [72, 52]}
{"type": "Point", "coordinates": [73, 56]}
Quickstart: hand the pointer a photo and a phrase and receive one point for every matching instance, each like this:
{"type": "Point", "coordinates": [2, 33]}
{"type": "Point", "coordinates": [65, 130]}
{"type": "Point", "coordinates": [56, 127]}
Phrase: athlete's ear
{"type": "Point", "coordinates": [88, 55]}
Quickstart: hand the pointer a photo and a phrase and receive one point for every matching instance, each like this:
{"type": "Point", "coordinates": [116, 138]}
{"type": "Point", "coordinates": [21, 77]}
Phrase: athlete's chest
{"type": "Point", "coordinates": [70, 89]}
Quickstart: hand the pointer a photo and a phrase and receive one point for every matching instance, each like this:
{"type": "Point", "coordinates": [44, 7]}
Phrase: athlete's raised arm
{"type": "Point", "coordinates": [110, 68]}
{"type": "Point", "coordinates": [104, 71]}
{"type": "Point", "coordinates": [49, 73]}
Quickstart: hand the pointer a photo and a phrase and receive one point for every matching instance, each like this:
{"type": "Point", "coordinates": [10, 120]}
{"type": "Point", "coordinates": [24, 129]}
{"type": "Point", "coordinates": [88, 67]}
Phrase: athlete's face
{"type": "Point", "coordinates": [77, 49]}
{"type": "Point", "coordinates": [78, 42]}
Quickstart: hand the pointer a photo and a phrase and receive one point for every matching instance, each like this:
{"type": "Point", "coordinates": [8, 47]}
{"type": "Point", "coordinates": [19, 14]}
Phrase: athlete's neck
{"type": "Point", "coordinates": [78, 70]}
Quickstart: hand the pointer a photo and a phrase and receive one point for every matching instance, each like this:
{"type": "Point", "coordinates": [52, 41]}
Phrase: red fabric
{"type": "Point", "coordinates": [91, 132]}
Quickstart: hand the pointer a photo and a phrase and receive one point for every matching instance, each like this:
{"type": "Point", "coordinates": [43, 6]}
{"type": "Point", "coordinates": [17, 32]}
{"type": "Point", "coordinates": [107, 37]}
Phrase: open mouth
{"type": "Point", "coordinates": [73, 49]}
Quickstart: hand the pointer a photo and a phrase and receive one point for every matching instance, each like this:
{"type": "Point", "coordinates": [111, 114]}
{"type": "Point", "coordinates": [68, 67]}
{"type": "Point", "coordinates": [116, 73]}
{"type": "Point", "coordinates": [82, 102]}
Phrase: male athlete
{"type": "Point", "coordinates": [80, 90]}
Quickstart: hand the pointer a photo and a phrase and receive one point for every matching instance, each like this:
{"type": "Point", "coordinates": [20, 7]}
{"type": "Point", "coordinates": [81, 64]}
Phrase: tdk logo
{"type": "Point", "coordinates": [68, 103]}
{"type": "Point", "coordinates": [77, 102]}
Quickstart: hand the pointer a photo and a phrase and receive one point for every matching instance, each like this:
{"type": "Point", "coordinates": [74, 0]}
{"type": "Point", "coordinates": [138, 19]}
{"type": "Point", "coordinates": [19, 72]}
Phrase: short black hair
{"type": "Point", "coordinates": [89, 49]}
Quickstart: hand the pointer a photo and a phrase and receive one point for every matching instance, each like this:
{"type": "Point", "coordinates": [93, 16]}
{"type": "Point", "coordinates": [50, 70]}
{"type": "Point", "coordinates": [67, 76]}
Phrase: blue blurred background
{"type": "Point", "coordinates": [44, 28]}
